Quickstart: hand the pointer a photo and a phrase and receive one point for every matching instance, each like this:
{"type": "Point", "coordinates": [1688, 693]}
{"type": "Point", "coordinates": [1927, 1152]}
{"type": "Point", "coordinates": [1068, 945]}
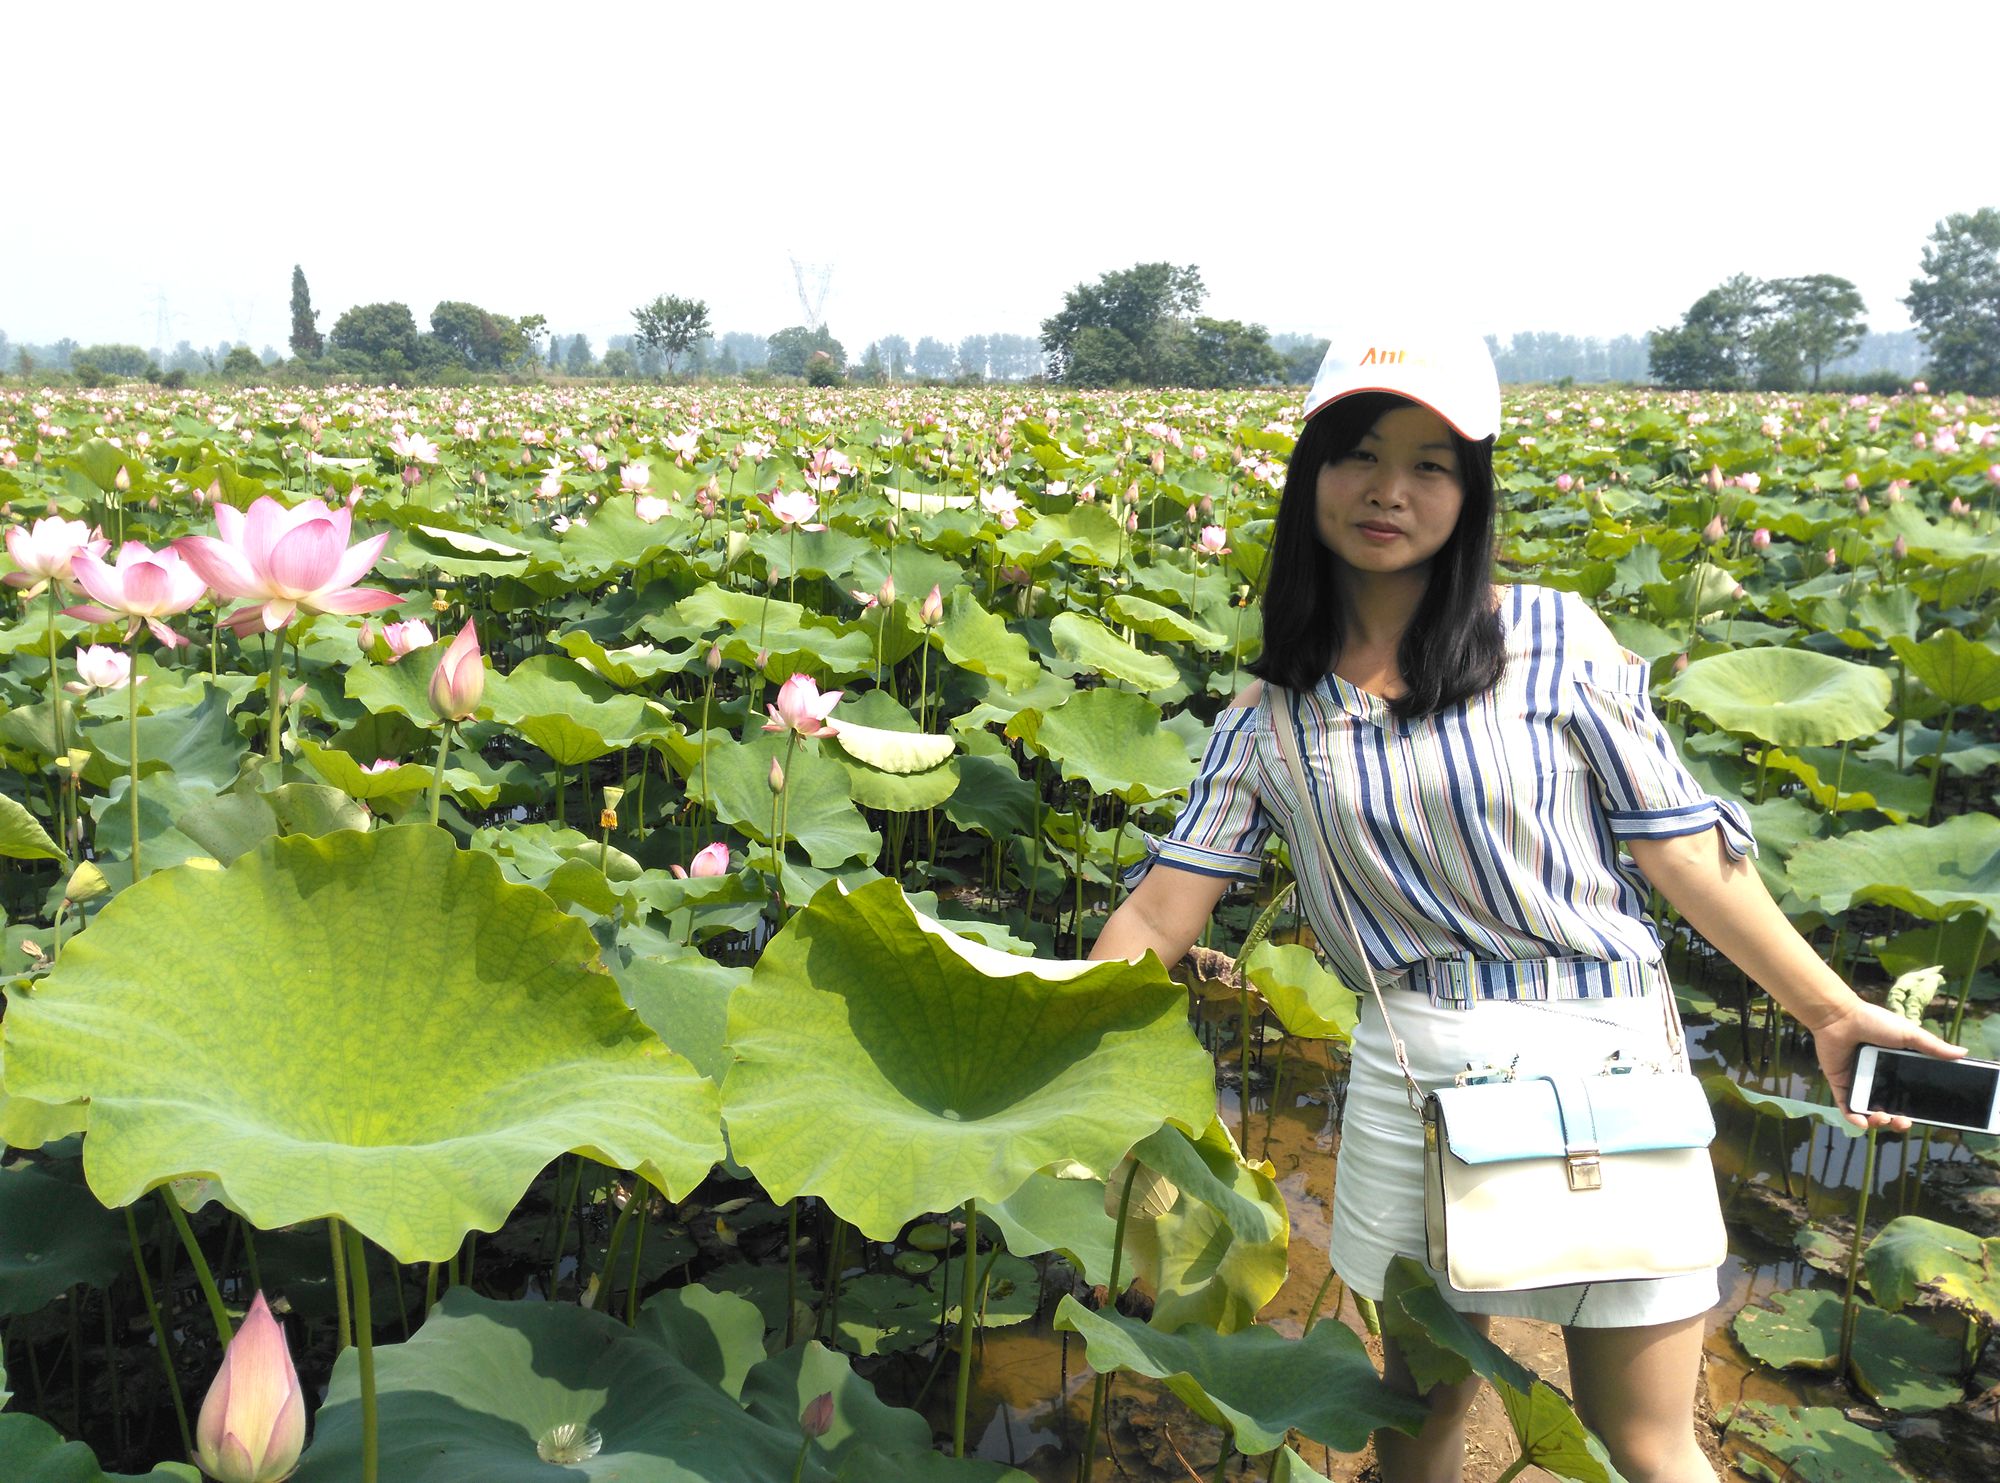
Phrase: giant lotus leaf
{"type": "Point", "coordinates": [374, 1026]}
{"type": "Point", "coordinates": [1787, 697]}
{"type": "Point", "coordinates": [1934, 872]}
{"type": "Point", "coordinates": [892, 1067]}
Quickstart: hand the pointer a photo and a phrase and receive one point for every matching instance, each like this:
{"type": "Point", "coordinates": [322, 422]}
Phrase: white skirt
{"type": "Point", "coordinates": [1378, 1191]}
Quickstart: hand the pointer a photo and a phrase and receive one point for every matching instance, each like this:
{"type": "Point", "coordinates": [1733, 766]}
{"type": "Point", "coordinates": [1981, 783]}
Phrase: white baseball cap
{"type": "Point", "coordinates": [1450, 372]}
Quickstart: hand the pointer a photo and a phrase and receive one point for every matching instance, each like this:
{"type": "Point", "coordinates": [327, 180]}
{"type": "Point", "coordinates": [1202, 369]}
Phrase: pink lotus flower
{"type": "Point", "coordinates": [402, 638]}
{"type": "Point", "coordinates": [286, 562]}
{"type": "Point", "coordinates": [711, 859]}
{"type": "Point", "coordinates": [253, 1421]}
{"type": "Point", "coordinates": [1957, 507]}
{"type": "Point", "coordinates": [381, 765]}
{"type": "Point", "coordinates": [635, 478]}
{"type": "Point", "coordinates": [1919, 387]}
{"type": "Point", "coordinates": [460, 678]}
{"type": "Point", "coordinates": [683, 446]}
{"type": "Point", "coordinates": [794, 508]}
{"type": "Point", "coordinates": [1749, 483]}
{"type": "Point", "coordinates": [101, 667]}
{"type": "Point", "coordinates": [650, 508]}
{"type": "Point", "coordinates": [1211, 541]}
{"type": "Point", "coordinates": [1564, 483]}
{"type": "Point", "coordinates": [144, 586]}
{"type": "Point", "coordinates": [43, 551]}
{"type": "Point", "coordinates": [412, 447]}
{"type": "Point", "coordinates": [1993, 473]}
{"type": "Point", "coordinates": [801, 708]}
{"type": "Point", "coordinates": [1003, 504]}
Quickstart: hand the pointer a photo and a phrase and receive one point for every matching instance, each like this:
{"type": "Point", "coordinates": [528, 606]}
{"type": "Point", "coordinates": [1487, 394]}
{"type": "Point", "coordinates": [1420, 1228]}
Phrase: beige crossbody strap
{"type": "Point", "coordinates": [1282, 729]}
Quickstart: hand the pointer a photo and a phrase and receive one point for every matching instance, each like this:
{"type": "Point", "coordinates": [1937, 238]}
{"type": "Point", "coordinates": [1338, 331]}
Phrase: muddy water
{"type": "Point", "coordinates": [1031, 1392]}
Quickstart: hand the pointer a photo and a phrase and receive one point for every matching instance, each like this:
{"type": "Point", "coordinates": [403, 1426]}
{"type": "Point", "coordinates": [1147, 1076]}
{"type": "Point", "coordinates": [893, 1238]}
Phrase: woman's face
{"type": "Point", "coordinates": [1391, 504]}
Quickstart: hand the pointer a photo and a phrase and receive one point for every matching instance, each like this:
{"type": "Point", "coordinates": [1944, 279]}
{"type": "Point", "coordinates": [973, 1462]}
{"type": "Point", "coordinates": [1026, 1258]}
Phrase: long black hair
{"type": "Point", "coordinates": [1454, 646]}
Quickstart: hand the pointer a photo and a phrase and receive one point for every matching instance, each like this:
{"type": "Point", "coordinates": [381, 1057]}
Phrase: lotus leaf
{"type": "Point", "coordinates": [236, 822]}
{"type": "Point", "coordinates": [1439, 1344]}
{"type": "Point", "coordinates": [1958, 670]}
{"type": "Point", "coordinates": [402, 688]}
{"type": "Point", "coordinates": [475, 1038]}
{"type": "Point", "coordinates": [979, 641]}
{"type": "Point", "coordinates": [1110, 740]}
{"type": "Point", "coordinates": [53, 1236]}
{"type": "Point", "coordinates": [1216, 1255]}
{"type": "Point", "coordinates": [1788, 697]}
{"type": "Point", "coordinates": [344, 772]}
{"type": "Point", "coordinates": [1724, 1088]}
{"type": "Point", "coordinates": [22, 836]}
{"type": "Point", "coordinates": [1898, 1363]}
{"type": "Point", "coordinates": [1087, 643]}
{"type": "Point", "coordinates": [820, 815]}
{"type": "Point", "coordinates": [882, 1314]}
{"type": "Point", "coordinates": [1254, 1384]}
{"type": "Point", "coordinates": [32, 1451]}
{"type": "Point", "coordinates": [1881, 785]}
{"type": "Point", "coordinates": [1911, 1253]}
{"type": "Point", "coordinates": [1059, 1209]}
{"type": "Point", "coordinates": [627, 668]}
{"type": "Point", "coordinates": [198, 744]}
{"type": "Point", "coordinates": [892, 1067]}
{"type": "Point", "coordinates": [1292, 1468]}
{"type": "Point", "coordinates": [469, 1397]}
{"type": "Point", "coordinates": [1932, 872]}
{"type": "Point", "coordinates": [684, 999]}
{"type": "Point", "coordinates": [1308, 1000]}
{"type": "Point", "coordinates": [993, 798]}
{"type": "Point", "coordinates": [1158, 621]}
{"type": "Point", "coordinates": [1816, 1444]}
{"type": "Point", "coordinates": [25, 1123]}
{"type": "Point", "coordinates": [1010, 1294]}
{"type": "Point", "coordinates": [568, 712]}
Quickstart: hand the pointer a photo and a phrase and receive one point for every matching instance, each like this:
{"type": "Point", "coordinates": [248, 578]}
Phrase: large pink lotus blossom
{"type": "Point", "coordinates": [794, 509]}
{"type": "Point", "coordinates": [683, 446]}
{"type": "Point", "coordinates": [253, 1421]}
{"type": "Point", "coordinates": [712, 859]}
{"type": "Point", "coordinates": [1002, 503]}
{"type": "Point", "coordinates": [286, 562]}
{"type": "Point", "coordinates": [43, 551]}
{"type": "Point", "coordinates": [459, 681]}
{"type": "Point", "coordinates": [143, 586]}
{"type": "Point", "coordinates": [801, 708]}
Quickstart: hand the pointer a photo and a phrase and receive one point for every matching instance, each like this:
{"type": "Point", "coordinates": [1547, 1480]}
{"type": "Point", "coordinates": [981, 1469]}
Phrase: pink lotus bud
{"type": "Point", "coordinates": [714, 660]}
{"type": "Point", "coordinates": [1713, 531]}
{"type": "Point", "coordinates": [710, 859]}
{"type": "Point", "coordinates": [1132, 521]}
{"type": "Point", "coordinates": [1993, 473]}
{"type": "Point", "coordinates": [1564, 483]}
{"type": "Point", "coordinates": [817, 1417]}
{"type": "Point", "coordinates": [1896, 487]}
{"type": "Point", "coordinates": [1760, 539]}
{"type": "Point", "coordinates": [1957, 507]}
{"type": "Point", "coordinates": [1738, 592]}
{"type": "Point", "coordinates": [1832, 557]}
{"type": "Point", "coordinates": [1193, 513]}
{"type": "Point", "coordinates": [886, 593]}
{"type": "Point", "coordinates": [1714, 479]}
{"type": "Point", "coordinates": [411, 475]}
{"type": "Point", "coordinates": [253, 1421]}
{"type": "Point", "coordinates": [1861, 505]}
{"type": "Point", "coordinates": [1207, 505]}
{"type": "Point", "coordinates": [1920, 440]}
{"type": "Point", "coordinates": [777, 777]}
{"type": "Point", "coordinates": [460, 678]}
{"type": "Point", "coordinates": [1899, 548]}
{"type": "Point", "coordinates": [122, 480]}
{"type": "Point", "coordinates": [1851, 482]}
{"type": "Point", "coordinates": [931, 613]}
{"type": "Point", "coordinates": [1680, 662]}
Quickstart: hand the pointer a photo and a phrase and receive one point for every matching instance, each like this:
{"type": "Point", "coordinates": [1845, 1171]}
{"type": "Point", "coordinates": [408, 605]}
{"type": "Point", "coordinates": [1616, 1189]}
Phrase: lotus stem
{"type": "Point", "coordinates": [1514, 1469]}
{"type": "Point", "coordinates": [1097, 1389]}
{"type": "Point", "coordinates": [1847, 1308]}
{"type": "Point", "coordinates": [430, 1287]}
{"type": "Point", "coordinates": [1222, 1462]}
{"type": "Point", "coordinates": [132, 744]}
{"type": "Point", "coordinates": [799, 1467]}
{"type": "Point", "coordinates": [364, 1333]}
{"type": "Point", "coordinates": [159, 1333]}
{"type": "Point", "coordinates": [1312, 1315]}
{"type": "Point", "coordinates": [1971, 968]}
{"type": "Point", "coordinates": [343, 1326]}
{"type": "Point", "coordinates": [56, 722]}
{"type": "Point", "coordinates": [967, 1322]}
{"type": "Point", "coordinates": [791, 1265]}
{"type": "Point", "coordinates": [602, 1302]}
{"type": "Point", "coordinates": [224, 1331]}
{"type": "Point", "coordinates": [437, 773]}
{"type": "Point", "coordinates": [638, 1250]}
{"type": "Point", "coordinates": [1937, 766]}
{"type": "Point", "coordinates": [277, 701]}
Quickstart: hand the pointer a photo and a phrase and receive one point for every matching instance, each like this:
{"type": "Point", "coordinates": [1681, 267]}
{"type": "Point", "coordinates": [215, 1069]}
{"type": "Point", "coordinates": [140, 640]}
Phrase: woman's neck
{"type": "Point", "coordinates": [1377, 607]}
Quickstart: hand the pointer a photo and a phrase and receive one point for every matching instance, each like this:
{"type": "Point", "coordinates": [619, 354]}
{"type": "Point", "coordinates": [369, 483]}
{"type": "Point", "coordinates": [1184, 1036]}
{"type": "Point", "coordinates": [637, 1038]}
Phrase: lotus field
{"type": "Point", "coordinates": [575, 897]}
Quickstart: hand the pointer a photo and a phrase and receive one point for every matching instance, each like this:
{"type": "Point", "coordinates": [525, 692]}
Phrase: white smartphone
{"type": "Point", "coordinates": [1963, 1094]}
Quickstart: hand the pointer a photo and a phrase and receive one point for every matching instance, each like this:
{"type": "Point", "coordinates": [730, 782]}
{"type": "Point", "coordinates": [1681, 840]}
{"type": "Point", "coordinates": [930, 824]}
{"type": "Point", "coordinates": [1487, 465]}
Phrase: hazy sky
{"type": "Point", "coordinates": [1583, 168]}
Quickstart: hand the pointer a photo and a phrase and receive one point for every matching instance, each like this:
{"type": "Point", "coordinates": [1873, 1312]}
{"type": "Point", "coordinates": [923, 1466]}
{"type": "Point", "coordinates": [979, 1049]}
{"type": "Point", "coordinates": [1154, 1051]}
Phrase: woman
{"type": "Point", "coordinates": [1476, 755]}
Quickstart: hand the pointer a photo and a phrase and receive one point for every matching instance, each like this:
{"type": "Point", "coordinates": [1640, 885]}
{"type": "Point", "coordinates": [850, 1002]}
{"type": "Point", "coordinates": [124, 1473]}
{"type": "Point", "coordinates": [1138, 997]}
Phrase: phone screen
{"type": "Point", "coordinates": [1931, 1090]}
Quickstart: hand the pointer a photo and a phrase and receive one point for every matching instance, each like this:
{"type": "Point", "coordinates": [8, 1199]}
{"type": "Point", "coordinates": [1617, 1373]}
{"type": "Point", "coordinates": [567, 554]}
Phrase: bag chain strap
{"type": "Point", "coordinates": [1283, 727]}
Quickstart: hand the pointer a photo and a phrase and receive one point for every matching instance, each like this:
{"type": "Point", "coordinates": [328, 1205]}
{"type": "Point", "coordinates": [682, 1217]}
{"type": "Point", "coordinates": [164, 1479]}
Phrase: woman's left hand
{"type": "Point", "coordinates": [1838, 1039]}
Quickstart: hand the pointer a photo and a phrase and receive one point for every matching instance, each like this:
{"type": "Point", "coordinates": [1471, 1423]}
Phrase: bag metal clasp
{"type": "Point", "coordinates": [1582, 1166]}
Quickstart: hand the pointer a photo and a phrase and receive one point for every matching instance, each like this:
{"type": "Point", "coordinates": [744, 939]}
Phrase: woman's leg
{"type": "Point", "coordinates": [1635, 1387]}
{"type": "Point", "coordinates": [1437, 1453]}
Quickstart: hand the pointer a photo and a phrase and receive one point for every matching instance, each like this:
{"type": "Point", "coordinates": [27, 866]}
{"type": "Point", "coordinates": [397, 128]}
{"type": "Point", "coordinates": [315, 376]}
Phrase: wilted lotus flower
{"type": "Point", "coordinates": [801, 708]}
{"type": "Point", "coordinates": [460, 678]}
{"type": "Point", "coordinates": [711, 859]}
{"type": "Point", "coordinates": [101, 667]}
{"type": "Point", "coordinates": [143, 586]}
{"type": "Point", "coordinates": [253, 1422]}
{"type": "Point", "coordinates": [286, 562]}
{"type": "Point", "coordinates": [44, 551]}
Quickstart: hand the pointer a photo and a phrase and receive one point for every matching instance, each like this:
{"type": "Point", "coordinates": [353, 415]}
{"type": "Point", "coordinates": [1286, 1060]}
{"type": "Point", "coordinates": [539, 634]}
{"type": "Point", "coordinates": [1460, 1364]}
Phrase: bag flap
{"type": "Point", "coordinates": [1499, 1121]}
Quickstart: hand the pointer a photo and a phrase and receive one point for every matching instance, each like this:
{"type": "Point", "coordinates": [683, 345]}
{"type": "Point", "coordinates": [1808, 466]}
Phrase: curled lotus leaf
{"type": "Point", "coordinates": [1085, 642]}
{"type": "Point", "coordinates": [892, 1067]}
{"type": "Point", "coordinates": [1112, 740]}
{"type": "Point", "coordinates": [1788, 697]}
{"type": "Point", "coordinates": [374, 1026]}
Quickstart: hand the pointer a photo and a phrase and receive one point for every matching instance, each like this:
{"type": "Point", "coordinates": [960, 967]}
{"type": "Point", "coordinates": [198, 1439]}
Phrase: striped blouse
{"type": "Point", "coordinates": [1488, 830]}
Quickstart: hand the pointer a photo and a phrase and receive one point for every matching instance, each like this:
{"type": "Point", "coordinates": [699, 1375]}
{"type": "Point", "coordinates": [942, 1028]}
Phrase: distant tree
{"type": "Point", "coordinates": [6, 351]}
{"type": "Point", "coordinates": [895, 356]}
{"type": "Point", "coordinates": [1303, 353]}
{"type": "Point", "coordinates": [1228, 352]}
{"type": "Point", "coordinates": [791, 348]}
{"type": "Point", "coordinates": [972, 354]}
{"type": "Point", "coordinates": [306, 341]}
{"type": "Point", "coordinates": [1715, 343]}
{"type": "Point", "coordinates": [823, 370]}
{"type": "Point", "coordinates": [670, 326]}
{"type": "Point", "coordinates": [1812, 321]}
{"type": "Point", "coordinates": [932, 360]}
{"type": "Point", "coordinates": [377, 337]}
{"type": "Point", "coordinates": [620, 362]}
{"type": "Point", "coordinates": [871, 368]}
{"type": "Point", "coordinates": [578, 361]}
{"type": "Point", "coordinates": [24, 361]}
{"type": "Point", "coordinates": [1130, 325]}
{"type": "Point", "coordinates": [1956, 301]}
{"type": "Point", "coordinates": [240, 362]}
{"type": "Point", "coordinates": [555, 352]}
{"type": "Point", "coordinates": [480, 339]}
{"type": "Point", "coordinates": [116, 360]}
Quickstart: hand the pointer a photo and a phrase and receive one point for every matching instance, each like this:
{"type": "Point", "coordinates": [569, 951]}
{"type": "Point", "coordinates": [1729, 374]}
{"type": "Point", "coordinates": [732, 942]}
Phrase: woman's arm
{"type": "Point", "coordinates": [1164, 913]}
{"type": "Point", "coordinates": [1725, 901]}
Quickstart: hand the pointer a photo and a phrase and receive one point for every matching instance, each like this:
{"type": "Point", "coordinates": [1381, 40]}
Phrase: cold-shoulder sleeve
{"type": "Point", "coordinates": [1644, 788]}
{"type": "Point", "coordinates": [1223, 828]}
